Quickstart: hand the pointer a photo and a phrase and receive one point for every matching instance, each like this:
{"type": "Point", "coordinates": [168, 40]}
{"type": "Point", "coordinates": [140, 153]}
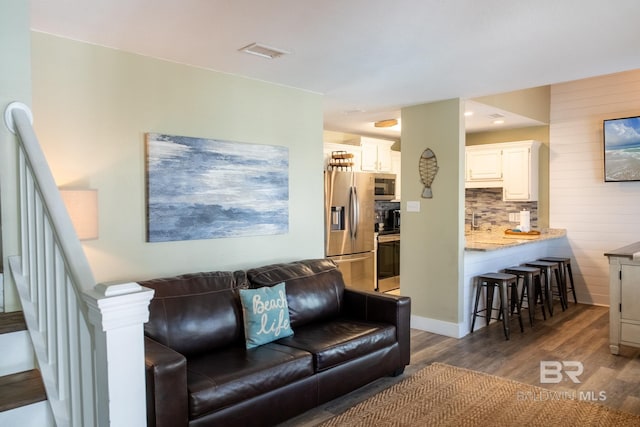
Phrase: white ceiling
{"type": "Point", "coordinates": [369, 58]}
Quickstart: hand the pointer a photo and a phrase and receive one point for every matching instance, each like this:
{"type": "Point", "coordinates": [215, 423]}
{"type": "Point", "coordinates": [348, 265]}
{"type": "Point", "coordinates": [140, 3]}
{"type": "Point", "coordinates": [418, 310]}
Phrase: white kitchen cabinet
{"type": "Point", "coordinates": [624, 297]}
{"type": "Point", "coordinates": [396, 168]}
{"type": "Point", "coordinates": [376, 154]}
{"type": "Point", "coordinates": [520, 171]}
{"type": "Point", "coordinates": [510, 165]}
{"type": "Point", "coordinates": [483, 166]}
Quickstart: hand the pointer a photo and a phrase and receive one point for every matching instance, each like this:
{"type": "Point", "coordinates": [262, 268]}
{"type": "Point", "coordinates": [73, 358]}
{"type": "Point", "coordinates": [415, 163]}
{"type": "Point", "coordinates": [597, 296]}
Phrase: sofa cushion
{"type": "Point", "coordinates": [335, 342]}
{"type": "Point", "coordinates": [234, 374]}
{"type": "Point", "coordinates": [315, 288]}
{"type": "Point", "coordinates": [266, 314]}
{"type": "Point", "coordinates": [194, 313]}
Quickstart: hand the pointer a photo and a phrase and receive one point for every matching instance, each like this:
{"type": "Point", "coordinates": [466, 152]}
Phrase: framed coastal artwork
{"type": "Point", "coordinates": [200, 188]}
{"type": "Point", "coordinates": [621, 149]}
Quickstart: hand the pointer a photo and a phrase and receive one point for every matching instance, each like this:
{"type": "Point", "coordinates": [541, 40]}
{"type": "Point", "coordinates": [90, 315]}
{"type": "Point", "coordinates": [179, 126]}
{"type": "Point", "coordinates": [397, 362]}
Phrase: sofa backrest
{"type": "Point", "coordinates": [194, 313]}
{"type": "Point", "coordinates": [314, 288]}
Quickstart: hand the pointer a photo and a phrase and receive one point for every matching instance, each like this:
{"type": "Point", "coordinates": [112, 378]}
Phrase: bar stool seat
{"type": "Point", "coordinates": [550, 269]}
{"type": "Point", "coordinates": [565, 272]}
{"type": "Point", "coordinates": [531, 289]}
{"type": "Point", "coordinates": [507, 284]}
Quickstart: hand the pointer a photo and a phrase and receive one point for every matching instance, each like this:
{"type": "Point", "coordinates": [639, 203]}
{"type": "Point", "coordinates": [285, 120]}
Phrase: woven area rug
{"type": "Point", "coordinates": [443, 395]}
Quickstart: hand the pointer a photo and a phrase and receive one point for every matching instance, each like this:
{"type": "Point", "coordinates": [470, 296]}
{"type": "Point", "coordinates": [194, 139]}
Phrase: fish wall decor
{"type": "Point", "coordinates": [428, 167]}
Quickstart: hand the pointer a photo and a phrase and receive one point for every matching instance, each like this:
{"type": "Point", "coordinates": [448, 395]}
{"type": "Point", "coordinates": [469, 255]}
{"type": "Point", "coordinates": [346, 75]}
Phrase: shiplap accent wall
{"type": "Point", "coordinates": [598, 216]}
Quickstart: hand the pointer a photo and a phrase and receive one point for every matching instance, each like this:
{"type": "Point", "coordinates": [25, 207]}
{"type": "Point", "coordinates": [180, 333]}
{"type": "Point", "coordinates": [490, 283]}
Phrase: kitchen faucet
{"type": "Point", "coordinates": [474, 224]}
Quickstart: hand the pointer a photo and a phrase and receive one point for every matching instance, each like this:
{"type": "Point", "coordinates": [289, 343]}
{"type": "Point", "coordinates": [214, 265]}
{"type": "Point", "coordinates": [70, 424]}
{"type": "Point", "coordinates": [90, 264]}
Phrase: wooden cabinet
{"type": "Point", "coordinates": [376, 154]}
{"type": "Point", "coordinates": [520, 172]}
{"type": "Point", "coordinates": [510, 165]}
{"type": "Point", "coordinates": [624, 295]}
{"type": "Point", "coordinates": [483, 165]}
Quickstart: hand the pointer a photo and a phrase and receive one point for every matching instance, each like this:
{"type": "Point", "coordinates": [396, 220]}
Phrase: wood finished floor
{"type": "Point", "coordinates": [579, 334]}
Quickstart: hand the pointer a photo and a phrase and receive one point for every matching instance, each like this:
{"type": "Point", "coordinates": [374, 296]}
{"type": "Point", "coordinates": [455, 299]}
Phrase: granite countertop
{"type": "Point", "coordinates": [497, 239]}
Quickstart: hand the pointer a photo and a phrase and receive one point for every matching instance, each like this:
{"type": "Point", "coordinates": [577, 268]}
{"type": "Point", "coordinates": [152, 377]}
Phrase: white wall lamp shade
{"type": "Point", "coordinates": [82, 206]}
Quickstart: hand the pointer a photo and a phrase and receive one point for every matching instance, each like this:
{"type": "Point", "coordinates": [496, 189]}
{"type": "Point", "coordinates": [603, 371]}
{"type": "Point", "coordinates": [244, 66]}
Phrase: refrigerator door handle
{"type": "Point", "coordinates": [354, 214]}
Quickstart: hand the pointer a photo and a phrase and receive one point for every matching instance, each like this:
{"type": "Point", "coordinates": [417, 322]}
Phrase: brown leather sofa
{"type": "Point", "coordinates": [199, 373]}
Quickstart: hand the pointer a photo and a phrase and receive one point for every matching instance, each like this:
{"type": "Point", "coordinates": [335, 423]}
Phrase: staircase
{"type": "Point", "coordinates": [86, 337]}
{"type": "Point", "coordinates": [23, 401]}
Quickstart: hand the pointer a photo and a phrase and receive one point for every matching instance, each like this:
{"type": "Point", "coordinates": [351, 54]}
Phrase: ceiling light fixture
{"type": "Point", "coordinates": [263, 51]}
{"type": "Point", "coordinates": [468, 113]}
{"type": "Point", "coordinates": [386, 123]}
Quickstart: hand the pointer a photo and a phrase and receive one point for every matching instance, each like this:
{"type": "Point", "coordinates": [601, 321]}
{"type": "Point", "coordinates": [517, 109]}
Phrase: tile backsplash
{"type": "Point", "coordinates": [492, 212]}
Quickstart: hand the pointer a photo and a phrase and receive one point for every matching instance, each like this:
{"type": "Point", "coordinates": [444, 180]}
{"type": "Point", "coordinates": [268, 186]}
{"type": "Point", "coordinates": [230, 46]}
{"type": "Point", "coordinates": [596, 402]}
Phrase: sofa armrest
{"type": "Point", "coordinates": [385, 308]}
{"type": "Point", "coordinates": [166, 379]}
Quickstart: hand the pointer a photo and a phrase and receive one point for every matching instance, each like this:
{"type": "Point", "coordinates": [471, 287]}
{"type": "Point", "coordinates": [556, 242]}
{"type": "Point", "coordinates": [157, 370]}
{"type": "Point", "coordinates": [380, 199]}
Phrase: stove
{"type": "Point", "coordinates": [388, 260]}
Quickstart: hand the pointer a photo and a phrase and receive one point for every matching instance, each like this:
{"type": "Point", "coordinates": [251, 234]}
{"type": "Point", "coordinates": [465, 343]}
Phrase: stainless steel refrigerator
{"type": "Point", "coordinates": [349, 226]}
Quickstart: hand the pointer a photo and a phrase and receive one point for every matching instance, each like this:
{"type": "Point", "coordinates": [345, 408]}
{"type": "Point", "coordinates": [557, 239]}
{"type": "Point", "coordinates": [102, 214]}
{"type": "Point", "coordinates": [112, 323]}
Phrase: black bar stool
{"type": "Point", "coordinates": [565, 272]}
{"type": "Point", "coordinates": [531, 289]}
{"type": "Point", "coordinates": [550, 269]}
{"type": "Point", "coordinates": [506, 284]}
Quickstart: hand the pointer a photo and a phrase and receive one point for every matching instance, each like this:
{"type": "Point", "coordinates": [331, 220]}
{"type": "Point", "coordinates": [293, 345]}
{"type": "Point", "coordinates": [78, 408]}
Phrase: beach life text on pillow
{"type": "Point", "coordinates": [266, 314]}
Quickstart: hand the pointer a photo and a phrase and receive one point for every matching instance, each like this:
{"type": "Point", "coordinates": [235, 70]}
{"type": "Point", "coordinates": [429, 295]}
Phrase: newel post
{"type": "Point", "coordinates": [117, 313]}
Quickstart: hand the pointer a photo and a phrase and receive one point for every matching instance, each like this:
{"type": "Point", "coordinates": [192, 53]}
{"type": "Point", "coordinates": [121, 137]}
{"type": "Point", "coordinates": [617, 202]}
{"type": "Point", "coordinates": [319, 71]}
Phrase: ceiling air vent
{"type": "Point", "coordinates": [263, 51]}
{"type": "Point", "coordinates": [496, 116]}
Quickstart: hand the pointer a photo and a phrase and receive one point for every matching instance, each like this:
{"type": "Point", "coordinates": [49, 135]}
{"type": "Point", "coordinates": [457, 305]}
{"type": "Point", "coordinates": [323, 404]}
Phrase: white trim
{"type": "Point", "coordinates": [9, 120]}
{"type": "Point", "coordinates": [440, 327]}
{"type": "Point", "coordinates": [34, 415]}
{"type": "Point", "coordinates": [120, 378]}
{"type": "Point", "coordinates": [19, 356]}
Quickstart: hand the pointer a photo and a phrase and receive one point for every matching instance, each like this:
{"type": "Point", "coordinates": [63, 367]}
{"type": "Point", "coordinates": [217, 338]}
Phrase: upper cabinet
{"type": "Point", "coordinates": [520, 171]}
{"type": "Point", "coordinates": [483, 166]}
{"type": "Point", "coordinates": [376, 155]}
{"type": "Point", "coordinates": [510, 165]}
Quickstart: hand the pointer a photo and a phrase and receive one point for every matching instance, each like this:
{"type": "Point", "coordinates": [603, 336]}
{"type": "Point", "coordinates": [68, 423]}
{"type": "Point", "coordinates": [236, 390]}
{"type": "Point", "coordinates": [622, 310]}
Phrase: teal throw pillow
{"type": "Point", "coordinates": [266, 314]}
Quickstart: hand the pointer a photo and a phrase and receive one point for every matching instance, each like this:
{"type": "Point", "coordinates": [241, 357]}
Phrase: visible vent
{"type": "Point", "coordinates": [496, 116]}
{"type": "Point", "coordinates": [263, 51]}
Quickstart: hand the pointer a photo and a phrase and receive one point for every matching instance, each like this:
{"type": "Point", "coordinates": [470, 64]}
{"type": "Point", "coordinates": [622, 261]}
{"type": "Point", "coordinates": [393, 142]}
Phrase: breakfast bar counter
{"type": "Point", "coordinates": [493, 251]}
{"type": "Point", "coordinates": [493, 240]}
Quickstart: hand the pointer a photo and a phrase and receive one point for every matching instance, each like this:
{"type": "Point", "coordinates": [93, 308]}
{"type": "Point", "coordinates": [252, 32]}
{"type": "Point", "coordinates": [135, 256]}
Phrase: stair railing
{"type": "Point", "coordinates": [88, 338]}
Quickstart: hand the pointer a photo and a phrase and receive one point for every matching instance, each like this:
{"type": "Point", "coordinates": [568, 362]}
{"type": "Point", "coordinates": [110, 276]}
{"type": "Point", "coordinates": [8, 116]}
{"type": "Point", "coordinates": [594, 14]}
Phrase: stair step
{"type": "Point", "coordinates": [21, 389]}
{"type": "Point", "coordinates": [12, 322]}
{"type": "Point", "coordinates": [14, 338]}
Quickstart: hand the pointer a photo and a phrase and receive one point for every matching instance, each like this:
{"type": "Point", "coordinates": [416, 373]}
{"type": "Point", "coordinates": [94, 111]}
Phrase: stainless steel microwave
{"type": "Point", "coordinates": [385, 186]}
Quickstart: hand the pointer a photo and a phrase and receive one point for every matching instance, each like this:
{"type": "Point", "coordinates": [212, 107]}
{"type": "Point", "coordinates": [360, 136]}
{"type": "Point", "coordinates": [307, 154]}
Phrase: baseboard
{"type": "Point", "coordinates": [440, 327]}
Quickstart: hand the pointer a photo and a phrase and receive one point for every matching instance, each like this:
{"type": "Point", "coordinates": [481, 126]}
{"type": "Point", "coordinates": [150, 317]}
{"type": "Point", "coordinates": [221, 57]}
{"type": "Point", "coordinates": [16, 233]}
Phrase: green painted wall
{"type": "Point", "coordinates": [15, 85]}
{"type": "Point", "coordinates": [93, 106]}
{"type": "Point", "coordinates": [431, 267]}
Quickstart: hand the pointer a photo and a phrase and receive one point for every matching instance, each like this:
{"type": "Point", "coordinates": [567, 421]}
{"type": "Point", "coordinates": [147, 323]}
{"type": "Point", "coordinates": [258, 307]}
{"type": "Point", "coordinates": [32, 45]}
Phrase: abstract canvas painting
{"type": "Point", "coordinates": [201, 188]}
